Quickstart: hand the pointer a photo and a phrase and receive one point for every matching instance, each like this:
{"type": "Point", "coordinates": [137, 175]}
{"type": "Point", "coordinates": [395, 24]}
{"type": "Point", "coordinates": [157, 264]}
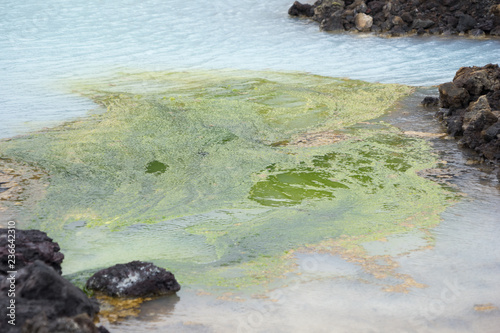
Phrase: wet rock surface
{"type": "Point", "coordinates": [46, 302]}
{"type": "Point", "coordinates": [133, 279]}
{"type": "Point", "coordinates": [471, 109]}
{"type": "Point", "coordinates": [78, 324]}
{"type": "Point", "coordinates": [30, 245]}
{"type": "Point", "coordinates": [477, 18]}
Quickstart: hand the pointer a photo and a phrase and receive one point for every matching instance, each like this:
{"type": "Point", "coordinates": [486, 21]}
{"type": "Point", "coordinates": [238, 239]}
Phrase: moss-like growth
{"type": "Point", "coordinates": [184, 169]}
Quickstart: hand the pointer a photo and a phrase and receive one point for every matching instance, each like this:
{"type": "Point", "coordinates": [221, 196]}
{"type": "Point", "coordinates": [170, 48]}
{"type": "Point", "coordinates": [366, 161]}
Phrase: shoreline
{"type": "Point", "coordinates": [400, 18]}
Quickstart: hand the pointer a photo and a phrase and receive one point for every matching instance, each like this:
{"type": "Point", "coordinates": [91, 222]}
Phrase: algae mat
{"type": "Point", "coordinates": [218, 175]}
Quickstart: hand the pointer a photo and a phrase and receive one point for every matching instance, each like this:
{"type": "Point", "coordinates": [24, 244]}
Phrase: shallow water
{"type": "Point", "coordinates": [327, 293]}
{"type": "Point", "coordinates": [46, 44]}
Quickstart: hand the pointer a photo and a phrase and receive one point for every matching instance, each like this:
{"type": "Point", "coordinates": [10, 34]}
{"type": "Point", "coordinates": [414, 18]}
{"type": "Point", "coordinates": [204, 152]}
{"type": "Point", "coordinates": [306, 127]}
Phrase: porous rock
{"type": "Point", "coordinates": [40, 292]}
{"type": "Point", "coordinates": [471, 109]}
{"type": "Point", "coordinates": [429, 101]}
{"type": "Point", "coordinates": [402, 17]}
{"type": "Point", "coordinates": [452, 96]}
{"type": "Point", "coordinates": [299, 9]}
{"type": "Point", "coordinates": [134, 279]}
{"type": "Point", "coordinates": [30, 245]}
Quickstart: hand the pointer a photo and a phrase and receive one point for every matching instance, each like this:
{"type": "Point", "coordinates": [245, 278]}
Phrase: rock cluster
{"type": "Point", "coordinates": [134, 279]}
{"type": "Point", "coordinates": [476, 18]}
{"type": "Point", "coordinates": [46, 302]}
{"type": "Point", "coordinates": [471, 109]}
{"type": "Point", "coordinates": [41, 300]}
{"type": "Point", "coordinates": [36, 295]}
{"type": "Point", "coordinates": [31, 245]}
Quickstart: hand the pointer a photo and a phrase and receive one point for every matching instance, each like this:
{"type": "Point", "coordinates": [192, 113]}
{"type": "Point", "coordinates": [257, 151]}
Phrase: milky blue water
{"type": "Point", "coordinates": [43, 43]}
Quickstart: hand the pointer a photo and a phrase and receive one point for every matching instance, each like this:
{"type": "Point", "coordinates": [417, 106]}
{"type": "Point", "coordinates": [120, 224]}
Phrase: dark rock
{"type": "Point", "coordinates": [478, 80]}
{"type": "Point", "coordinates": [40, 290]}
{"type": "Point", "coordinates": [452, 21]}
{"type": "Point", "coordinates": [455, 125]}
{"type": "Point", "coordinates": [326, 8]}
{"type": "Point", "coordinates": [398, 31]}
{"type": "Point", "coordinates": [466, 23]}
{"type": "Point", "coordinates": [452, 96]}
{"type": "Point", "coordinates": [31, 245]}
{"type": "Point", "coordinates": [436, 31]}
{"type": "Point", "coordinates": [407, 17]}
{"type": "Point", "coordinates": [440, 16]}
{"type": "Point", "coordinates": [477, 84]}
{"type": "Point", "coordinates": [494, 99]}
{"type": "Point", "coordinates": [332, 23]}
{"type": "Point", "coordinates": [478, 33]}
{"type": "Point", "coordinates": [376, 6]}
{"type": "Point", "coordinates": [492, 132]}
{"type": "Point", "coordinates": [430, 101]}
{"type": "Point", "coordinates": [78, 324]}
{"type": "Point", "coordinates": [495, 31]}
{"type": "Point", "coordinates": [486, 25]}
{"type": "Point", "coordinates": [387, 25]}
{"type": "Point", "coordinates": [476, 118]}
{"type": "Point", "coordinates": [490, 150]}
{"type": "Point", "coordinates": [299, 9]}
{"type": "Point", "coordinates": [422, 24]}
{"type": "Point", "coordinates": [134, 279]}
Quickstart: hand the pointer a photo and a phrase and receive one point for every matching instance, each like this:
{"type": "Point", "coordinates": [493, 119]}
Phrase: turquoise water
{"type": "Point", "coordinates": [44, 43]}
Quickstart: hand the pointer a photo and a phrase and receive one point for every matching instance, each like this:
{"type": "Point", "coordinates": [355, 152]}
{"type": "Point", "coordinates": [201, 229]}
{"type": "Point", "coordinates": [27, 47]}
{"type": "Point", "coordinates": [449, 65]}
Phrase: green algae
{"type": "Point", "coordinates": [156, 167]}
{"type": "Point", "coordinates": [195, 171]}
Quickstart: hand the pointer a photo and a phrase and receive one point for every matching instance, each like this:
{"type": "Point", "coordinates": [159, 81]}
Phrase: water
{"type": "Point", "coordinates": [43, 44]}
{"type": "Point", "coordinates": [328, 293]}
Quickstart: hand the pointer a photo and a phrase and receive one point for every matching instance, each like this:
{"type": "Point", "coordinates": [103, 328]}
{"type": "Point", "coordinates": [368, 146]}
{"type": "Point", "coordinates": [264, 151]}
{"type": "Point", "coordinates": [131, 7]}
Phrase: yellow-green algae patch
{"type": "Point", "coordinates": [193, 170]}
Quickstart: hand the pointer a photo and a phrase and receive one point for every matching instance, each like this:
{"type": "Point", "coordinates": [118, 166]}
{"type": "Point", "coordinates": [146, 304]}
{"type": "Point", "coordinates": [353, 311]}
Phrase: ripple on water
{"type": "Point", "coordinates": [43, 42]}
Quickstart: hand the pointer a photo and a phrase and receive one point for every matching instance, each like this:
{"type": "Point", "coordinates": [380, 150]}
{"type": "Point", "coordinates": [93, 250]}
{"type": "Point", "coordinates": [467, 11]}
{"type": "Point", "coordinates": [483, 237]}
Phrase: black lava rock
{"type": "Point", "coordinates": [40, 292]}
{"type": "Point", "coordinates": [134, 279]}
{"type": "Point", "coordinates": [30, 245]}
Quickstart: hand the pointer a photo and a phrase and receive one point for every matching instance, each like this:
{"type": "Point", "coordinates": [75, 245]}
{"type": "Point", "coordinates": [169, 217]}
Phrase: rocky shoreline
{"type": "Point", "coordinates": [36, 298]}
{"type": "Point", "coordinates": [470, 109]}
{"type": "Point", "coordinates": [395, 18]}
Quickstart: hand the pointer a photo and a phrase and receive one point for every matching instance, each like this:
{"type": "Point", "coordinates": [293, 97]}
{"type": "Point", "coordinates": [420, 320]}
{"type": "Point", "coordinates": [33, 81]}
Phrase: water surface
{"type": "Point", "coordinates": [44, 43]}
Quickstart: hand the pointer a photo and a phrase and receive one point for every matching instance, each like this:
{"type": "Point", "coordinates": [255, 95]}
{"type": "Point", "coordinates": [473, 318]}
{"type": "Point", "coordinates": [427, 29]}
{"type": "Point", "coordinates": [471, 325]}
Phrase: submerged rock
{"type": "Point", "coordinates": [134, 279]}
{"type": "Point", "coordinates": [40, 292]}
{"type": "Point", "coordinates": [471, 109]}
{"type": "Point", "coordinates": [429, 101]}
{"type": "Point", "coordinates": [31, 245]}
